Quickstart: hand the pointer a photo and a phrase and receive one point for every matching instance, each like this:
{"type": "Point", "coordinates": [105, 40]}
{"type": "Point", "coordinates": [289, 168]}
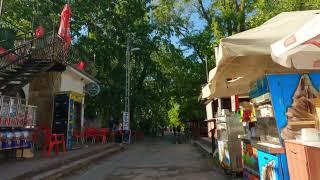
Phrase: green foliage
{"type": "Point", "coordinates": [266, 9]}
{"type": "Point", "coordinates": [174, 113]}
{"type": "Point", "coordinates": [166, 77]}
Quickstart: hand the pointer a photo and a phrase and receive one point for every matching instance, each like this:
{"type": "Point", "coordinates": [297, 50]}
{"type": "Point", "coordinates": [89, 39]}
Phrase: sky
{"type": "Point", "coordinates": [199, 25]}
{"type": "Point", "coordinates": [196, 20]}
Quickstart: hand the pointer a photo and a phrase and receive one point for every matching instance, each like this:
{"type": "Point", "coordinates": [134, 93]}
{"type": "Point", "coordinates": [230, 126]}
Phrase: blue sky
{"type": "Point", "coordinates": [199, 25]}
{"type": "Point", "coordinates": [195, 19]}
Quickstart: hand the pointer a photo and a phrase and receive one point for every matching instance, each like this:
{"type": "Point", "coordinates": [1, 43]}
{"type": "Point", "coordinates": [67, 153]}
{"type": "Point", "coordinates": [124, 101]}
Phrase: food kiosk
{"type": "Point", "coordinates": [285, 106]}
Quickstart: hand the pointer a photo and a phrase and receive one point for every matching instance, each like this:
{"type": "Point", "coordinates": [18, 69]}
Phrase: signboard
{"type": "Point", "coordinates": [125, 121]}
{"type": "Point", "coordinates": [92, 89]}
{"type": "Point", "coordinates": [234, 103]}
{"type": "Point", "coordinates": [259, 88]}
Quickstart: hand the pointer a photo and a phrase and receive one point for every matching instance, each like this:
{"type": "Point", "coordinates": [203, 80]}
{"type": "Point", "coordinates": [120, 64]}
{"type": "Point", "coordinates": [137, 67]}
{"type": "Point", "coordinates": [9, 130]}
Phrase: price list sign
{"type": "Point", "coordinates": [125, 121]}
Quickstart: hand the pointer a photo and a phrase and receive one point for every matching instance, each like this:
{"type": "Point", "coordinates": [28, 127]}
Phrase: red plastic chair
{"type": "Point", "coordinates": [140, 135]}
{"type": "Point", "coordinates": [134, 135]}
{"type": "Point", "coordinates": [53, 141]}
{"type": "Point", "coordinates": [78, 135]}
{"type": "Point", "coordinates": [102, 134]}
{"type": "Point", "coordinates": [91, 133]}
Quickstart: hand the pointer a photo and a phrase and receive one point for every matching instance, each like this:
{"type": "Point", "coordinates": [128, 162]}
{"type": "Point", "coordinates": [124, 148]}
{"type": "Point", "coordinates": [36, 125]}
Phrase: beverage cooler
{"type": "Point", "coordinates": [67, 115]}
{"type": "Point", "coordinates": [229, 145]}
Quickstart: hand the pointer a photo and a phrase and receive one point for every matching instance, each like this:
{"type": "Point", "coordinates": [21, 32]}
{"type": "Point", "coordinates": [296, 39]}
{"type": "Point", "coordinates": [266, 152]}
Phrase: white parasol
{"type": "Point", "coordinates": [301, 49]}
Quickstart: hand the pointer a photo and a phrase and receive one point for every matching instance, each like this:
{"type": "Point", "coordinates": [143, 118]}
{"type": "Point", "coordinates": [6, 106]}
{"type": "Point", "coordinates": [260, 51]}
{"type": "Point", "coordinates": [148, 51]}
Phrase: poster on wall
{"type": "Point", "coordinates": [224, 156]}
{"type": "Point", "coordinates": [297, 98]}
{"type": "Point", "coordinates": [302, 110]}
{"type": "Point", "coordinates": [268, 171]}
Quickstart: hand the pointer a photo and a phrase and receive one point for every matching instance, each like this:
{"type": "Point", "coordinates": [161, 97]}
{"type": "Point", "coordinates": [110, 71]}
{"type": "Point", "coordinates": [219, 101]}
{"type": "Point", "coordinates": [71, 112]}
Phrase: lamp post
{"type": "Point", "coordinates": [126, 115]}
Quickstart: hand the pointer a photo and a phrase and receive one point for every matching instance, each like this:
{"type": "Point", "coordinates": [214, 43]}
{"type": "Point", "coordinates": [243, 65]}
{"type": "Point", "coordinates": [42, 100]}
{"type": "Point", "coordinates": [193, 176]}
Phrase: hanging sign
{"type": "Point", "coordinates": [125, 122]}
{"type": "Point", "coordinates": [92, 89]}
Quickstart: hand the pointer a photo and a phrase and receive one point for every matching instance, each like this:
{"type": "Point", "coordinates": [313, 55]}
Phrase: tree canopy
{"type": "Point", "coordinates": [176, 39]}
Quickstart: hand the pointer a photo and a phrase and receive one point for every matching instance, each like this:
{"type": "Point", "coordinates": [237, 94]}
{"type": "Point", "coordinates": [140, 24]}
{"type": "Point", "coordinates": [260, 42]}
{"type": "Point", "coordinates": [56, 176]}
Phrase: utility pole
{"type": "Point", "coordinates": [126, 114]}
{"type": "Point", "coordinates": [206, 59]}
{"type": "Point", "coordinates": [127, 90]}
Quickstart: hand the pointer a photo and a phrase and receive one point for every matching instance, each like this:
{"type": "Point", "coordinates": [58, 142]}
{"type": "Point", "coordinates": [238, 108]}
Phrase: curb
{"type": "Point", "coordinates": [76, 165]}
{"type": "Point", "coordinates": [56, 165]}
{"type": "Point", "coordinates": [203, 147]}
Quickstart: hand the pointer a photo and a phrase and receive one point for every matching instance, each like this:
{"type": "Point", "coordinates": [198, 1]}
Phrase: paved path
{"type": "Point", "coordinates": [154, 159]}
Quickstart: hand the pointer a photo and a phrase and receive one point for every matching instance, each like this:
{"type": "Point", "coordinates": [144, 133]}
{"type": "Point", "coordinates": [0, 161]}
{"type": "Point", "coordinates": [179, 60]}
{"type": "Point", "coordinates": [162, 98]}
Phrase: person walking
{"type": "Point", "coordinates": [179, 130]}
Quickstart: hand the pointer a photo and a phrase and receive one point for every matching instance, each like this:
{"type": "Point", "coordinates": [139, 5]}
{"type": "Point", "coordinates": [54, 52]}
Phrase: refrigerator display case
{"type": "Point", "coordinates": [229, 145]}
{"type": "Point", "coordinates": [67, 115]}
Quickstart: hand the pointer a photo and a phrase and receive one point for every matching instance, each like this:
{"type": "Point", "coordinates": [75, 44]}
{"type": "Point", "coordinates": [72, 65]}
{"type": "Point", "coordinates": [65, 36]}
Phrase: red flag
{"type": "Point", "coordinates": [64, 29]}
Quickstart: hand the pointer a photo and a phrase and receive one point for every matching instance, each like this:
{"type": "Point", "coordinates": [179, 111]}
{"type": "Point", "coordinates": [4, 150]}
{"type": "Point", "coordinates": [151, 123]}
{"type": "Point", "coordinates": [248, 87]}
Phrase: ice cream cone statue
{"type": "Point", "coordinates": [302, 113]}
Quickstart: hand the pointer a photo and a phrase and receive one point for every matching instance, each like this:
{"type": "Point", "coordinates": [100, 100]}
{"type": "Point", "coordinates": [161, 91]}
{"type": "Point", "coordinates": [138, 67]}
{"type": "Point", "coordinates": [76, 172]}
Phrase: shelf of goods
{"type": "Point", "coordinates": [16, 123]}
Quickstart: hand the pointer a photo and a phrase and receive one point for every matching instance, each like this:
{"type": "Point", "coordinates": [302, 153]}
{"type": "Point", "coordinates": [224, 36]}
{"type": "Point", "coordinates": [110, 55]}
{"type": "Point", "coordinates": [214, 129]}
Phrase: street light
{"type": "Point", "coordinates": [126, 114]}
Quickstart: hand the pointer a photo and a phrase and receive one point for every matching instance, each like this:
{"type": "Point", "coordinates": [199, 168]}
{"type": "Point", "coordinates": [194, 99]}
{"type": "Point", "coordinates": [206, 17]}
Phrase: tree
{"type": "Point", "coordinates": [266, 9]}
{"type": "Point", "coordinates": [173, 114]}
{"type": "Point", "coordinates": [168, 71]}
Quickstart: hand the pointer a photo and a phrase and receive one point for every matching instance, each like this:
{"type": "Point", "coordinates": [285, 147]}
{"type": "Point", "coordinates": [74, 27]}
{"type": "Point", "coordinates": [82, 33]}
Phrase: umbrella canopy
{"type": "Point", "coordinates": [245, 57]}
{"type": "Point", "coordinates": [300, 49]}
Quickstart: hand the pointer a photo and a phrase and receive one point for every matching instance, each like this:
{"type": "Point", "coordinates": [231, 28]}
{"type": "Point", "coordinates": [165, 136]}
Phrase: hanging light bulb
{"type": "Point", "coordinates": [80, 65]}
{"type": "Point", "coordinates": [40, 31]}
